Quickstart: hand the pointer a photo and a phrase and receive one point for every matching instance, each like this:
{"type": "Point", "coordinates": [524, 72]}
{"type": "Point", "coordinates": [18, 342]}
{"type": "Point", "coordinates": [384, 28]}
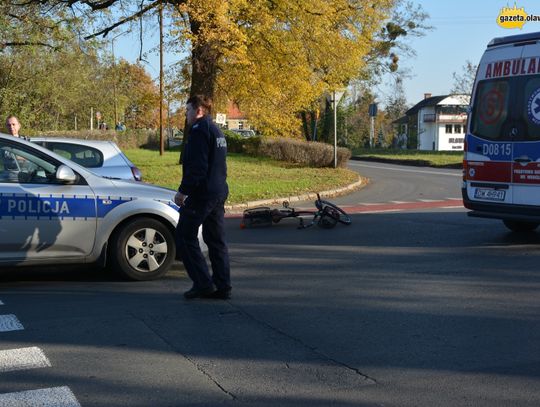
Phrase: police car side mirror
{"type": "Point", "coordinates": [65, 174]}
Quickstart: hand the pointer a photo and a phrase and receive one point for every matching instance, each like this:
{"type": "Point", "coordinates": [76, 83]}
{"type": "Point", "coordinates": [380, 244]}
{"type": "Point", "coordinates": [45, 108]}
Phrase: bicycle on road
{"type": "Point", "coordinates": [326, 216]}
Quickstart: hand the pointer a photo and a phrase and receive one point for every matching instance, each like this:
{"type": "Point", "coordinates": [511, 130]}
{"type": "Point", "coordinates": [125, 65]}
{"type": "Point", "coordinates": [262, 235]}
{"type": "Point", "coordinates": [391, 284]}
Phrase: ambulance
{"type": "Point", "coordinates": [501, 166]}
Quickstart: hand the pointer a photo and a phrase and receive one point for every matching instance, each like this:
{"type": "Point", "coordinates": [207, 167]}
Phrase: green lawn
{"type": "Point", "coordinates": [249, 178]}
{"type": "Point", "coordinates": [428, 158]}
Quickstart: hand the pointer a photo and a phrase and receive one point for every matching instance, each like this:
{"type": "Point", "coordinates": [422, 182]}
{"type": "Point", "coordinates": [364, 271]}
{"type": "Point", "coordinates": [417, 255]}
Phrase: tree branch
{"type": "Point", "coordinates": [27, 44]}
{"type": "Point", "coordinates": [105, 31]}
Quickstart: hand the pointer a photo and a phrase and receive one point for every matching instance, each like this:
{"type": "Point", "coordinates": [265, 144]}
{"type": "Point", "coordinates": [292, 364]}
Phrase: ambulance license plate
{"type": "Point", "coordinates": [490, 194]}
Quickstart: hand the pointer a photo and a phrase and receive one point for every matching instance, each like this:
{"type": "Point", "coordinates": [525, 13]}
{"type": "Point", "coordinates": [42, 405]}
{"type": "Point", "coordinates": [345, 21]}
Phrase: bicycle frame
{"type": "Point", "coordinates": [326, 216]}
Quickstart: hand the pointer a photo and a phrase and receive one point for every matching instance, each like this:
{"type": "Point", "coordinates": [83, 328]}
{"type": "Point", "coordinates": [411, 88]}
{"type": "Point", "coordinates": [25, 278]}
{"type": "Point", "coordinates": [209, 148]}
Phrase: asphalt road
{"type": "Point", "coordinates": [416, 307]}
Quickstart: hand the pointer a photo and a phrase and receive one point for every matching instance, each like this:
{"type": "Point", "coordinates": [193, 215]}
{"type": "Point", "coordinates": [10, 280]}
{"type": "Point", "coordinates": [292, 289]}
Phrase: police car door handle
{"type": "Point", "coordinates": [522, 160]}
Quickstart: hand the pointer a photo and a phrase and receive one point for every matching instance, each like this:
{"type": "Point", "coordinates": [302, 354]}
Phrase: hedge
{"type": "Point", "coordinates": [311, 154]}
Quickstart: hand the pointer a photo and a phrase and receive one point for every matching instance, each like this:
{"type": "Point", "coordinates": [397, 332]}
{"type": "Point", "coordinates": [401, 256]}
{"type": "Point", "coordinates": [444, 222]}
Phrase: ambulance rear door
{"type": "Point", "coordinates": [526, 130]}
{"type": "Point", "coordinates": [489, 148]}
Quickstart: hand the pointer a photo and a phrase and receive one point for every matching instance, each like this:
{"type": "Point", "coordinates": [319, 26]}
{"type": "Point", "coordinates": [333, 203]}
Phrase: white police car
{"type": "Point", "coordinates": [55, 211]}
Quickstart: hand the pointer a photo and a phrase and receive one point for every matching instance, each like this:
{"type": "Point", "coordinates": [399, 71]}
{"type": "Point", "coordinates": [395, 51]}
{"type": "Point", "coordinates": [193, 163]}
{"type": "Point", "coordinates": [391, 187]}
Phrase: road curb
{"type": "Point", "coordinates": [310, 196]}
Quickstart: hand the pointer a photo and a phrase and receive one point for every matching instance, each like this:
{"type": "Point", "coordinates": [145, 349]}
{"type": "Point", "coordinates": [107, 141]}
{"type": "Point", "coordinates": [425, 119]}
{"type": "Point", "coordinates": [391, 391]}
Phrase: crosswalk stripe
{"type": "Point", "coordinates": [10, 323]}
{"type": "Point", "coordinates": [51, 397]}
{"type": "Point", "coordinates": [22, 359]}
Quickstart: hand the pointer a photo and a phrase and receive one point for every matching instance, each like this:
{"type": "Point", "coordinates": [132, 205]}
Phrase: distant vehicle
{"type": "Point", "coordinates": [55, 211]}
{"type": "Point", "coordinates": [101, 157]}
{"type": "Point", "coordinates": [501, 167]}
{"type": "Point", "coordinates": [245, 132]}
{"type": "Point", "coordinates": [174, 140]}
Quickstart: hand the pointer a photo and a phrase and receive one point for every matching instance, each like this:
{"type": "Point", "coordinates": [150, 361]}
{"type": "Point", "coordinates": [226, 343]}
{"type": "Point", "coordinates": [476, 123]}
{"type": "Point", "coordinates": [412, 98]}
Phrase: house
{"type": "Point", "coordinates": [235, 119]}
{"type": "Point", "coordinates": [437, 123]}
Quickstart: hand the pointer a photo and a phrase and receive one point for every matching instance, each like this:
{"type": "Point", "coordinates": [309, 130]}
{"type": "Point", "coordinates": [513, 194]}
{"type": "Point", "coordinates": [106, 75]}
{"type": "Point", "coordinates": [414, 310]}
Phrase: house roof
{"type": "Point", "coordinates": [431, 101]}
{"type": "Point", "coordinates": [233, 112]}
{"type": "Point", "coordinates": [436, 100]}
{"type": "Point", "coordinates": [401, 120]}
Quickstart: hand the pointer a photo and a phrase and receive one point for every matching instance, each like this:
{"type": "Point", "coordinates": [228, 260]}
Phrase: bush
{"type": "Point", "coordinates": [312, 154]}
{"type": "Point", "coordinates": [125, 139]}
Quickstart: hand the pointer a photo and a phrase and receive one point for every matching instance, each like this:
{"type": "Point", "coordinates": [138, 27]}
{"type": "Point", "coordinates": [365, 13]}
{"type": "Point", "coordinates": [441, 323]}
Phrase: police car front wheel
{"type": "Point", "coordinates": [143, 249]}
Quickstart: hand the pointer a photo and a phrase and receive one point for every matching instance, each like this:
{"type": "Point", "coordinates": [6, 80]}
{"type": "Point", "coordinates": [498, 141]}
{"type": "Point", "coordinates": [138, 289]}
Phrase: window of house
{"type": "Point", "coordinates": [240, 125]}
{"type": "Point", "coordinates": [457, 128]}
{"type": "Point", "coordinates": [448, 129]}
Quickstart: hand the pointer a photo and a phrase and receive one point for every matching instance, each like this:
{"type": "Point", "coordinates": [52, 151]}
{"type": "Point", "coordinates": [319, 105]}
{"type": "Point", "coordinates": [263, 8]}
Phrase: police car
{"type": "Point", "coordinates": [102, 157]}
{"type": "Point", "coordinates": [55, 211]}
{"type": "Point", "coordinates": [501, 165]}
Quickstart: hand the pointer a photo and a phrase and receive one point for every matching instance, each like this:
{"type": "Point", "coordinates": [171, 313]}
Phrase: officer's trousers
{"type": "Point", "coordinates": [210, 214]}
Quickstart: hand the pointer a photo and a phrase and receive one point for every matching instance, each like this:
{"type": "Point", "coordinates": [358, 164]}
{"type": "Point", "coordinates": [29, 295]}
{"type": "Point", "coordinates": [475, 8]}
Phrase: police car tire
{"type": "Point", "coordinates": [517, 226]}
{"type": "Point", "coordinates": [119, 243]}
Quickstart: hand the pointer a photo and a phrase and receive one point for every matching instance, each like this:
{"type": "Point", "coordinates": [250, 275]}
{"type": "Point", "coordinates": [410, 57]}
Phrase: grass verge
{"type": "Point", "coordinates": [452, 159]}
{"type": "Point", "coordinates": [249, 178]}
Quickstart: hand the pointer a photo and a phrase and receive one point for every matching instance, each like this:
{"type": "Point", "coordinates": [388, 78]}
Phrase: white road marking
{"type": "Point", "coordinates": [429, 200]}
{"type": "Point", "coordinates": [401, 169]}
{"type": "Point", "coordinates": [22, 359]}
{"type": "Point", "coordinates": [10, 323]}
{"type": "Point", "coordinates": [51, 397]}
{"type": "Point", "coordinates": [399, 202]}
{"type": "Point", "coordinates": [1, 303]}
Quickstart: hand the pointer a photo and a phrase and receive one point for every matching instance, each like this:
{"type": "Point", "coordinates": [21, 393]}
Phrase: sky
{"type": "Point", "coordinates": [461, 31]}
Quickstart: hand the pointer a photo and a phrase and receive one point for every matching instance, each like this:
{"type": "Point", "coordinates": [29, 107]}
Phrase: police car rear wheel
{"type": "Point", "coordinates": [143, 249]}
{"type": "Point", "coordinates": [517, 226]}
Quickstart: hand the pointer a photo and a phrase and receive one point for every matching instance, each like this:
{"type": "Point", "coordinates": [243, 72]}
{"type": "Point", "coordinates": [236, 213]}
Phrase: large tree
{"type": "Point", "coordinates": [274, 57]}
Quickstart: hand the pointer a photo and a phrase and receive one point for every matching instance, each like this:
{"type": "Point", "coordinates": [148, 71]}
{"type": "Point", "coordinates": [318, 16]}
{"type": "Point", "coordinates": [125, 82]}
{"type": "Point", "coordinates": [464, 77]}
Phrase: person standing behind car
{"type": "Point", "coordinates": [201, 196]}
{"type": "Point", "coordinates": [13, 126]}
{"type": "Point", "coordinates": [12, 165]}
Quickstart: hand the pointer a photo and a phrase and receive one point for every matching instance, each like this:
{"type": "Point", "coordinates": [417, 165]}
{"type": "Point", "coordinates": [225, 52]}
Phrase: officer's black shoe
{"type": "Point", "coordinates": [220, 294]}
{"type": "Point", "coordinates": [196, 293]}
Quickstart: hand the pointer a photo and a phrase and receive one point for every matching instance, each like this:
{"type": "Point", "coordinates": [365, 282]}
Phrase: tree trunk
{"type": "Point", "coordinates": [204, 65]}
{"type": "Point", "coordinates": [305, 126]}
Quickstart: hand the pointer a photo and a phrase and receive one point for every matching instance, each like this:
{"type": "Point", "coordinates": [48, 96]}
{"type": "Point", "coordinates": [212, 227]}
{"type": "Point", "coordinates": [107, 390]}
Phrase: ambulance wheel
{"type": "Point", "coordinates": [518, 226]}
{"type": "Point", "coordinates": [142, 249]}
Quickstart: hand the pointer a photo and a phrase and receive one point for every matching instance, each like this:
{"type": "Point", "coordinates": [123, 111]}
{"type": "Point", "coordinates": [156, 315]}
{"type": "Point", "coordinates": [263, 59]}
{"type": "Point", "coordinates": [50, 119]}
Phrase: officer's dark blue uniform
{"type": "Point", "coordinates": [204, 182]}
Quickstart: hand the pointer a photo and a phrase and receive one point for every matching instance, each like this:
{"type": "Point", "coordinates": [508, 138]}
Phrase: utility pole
{"type": "Point", "coordinates": [115, 101]}
{"type": "Point", "coordinates": [161, 140]}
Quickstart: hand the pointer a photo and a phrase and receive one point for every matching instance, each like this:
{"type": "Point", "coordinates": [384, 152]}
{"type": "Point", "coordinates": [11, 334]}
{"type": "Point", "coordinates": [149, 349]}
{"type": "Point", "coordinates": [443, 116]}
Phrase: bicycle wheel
{"type": "Point", "coordinates": [328, 218]}
{"type": "Point", "coordinates": [257, 217]}
{"type": "Point", "coordinates": [334, 211]}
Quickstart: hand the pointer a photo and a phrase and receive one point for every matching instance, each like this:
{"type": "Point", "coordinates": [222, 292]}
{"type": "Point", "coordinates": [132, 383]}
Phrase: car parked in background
{"type": "Point", "coordinates": [54, 211]}
{"type": "Point", "coordinates": [101, 157]}
{"type": "Point", "coordinates": [245, 132]}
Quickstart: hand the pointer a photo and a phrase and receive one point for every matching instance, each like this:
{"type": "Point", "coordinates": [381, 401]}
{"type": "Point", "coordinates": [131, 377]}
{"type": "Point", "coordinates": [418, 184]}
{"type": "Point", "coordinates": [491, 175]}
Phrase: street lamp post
{"type": "Point", "coordinates": [334, 98]}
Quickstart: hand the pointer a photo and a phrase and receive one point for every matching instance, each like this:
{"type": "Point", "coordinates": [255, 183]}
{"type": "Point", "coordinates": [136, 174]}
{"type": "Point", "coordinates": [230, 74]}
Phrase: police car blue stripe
{"type": "Point", "coordinates": [48, 206]}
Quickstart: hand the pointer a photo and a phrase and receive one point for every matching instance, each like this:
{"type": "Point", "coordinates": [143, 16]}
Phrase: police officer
{"type": "Point", "coordinates": [201, 195]}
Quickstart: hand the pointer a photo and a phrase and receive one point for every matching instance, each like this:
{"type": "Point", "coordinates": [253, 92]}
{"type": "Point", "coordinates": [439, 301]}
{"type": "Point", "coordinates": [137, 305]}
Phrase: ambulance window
{"type": "Point", "coordinates": [490, 109]}
{"type": "Point", "coordinates": [531, 108]}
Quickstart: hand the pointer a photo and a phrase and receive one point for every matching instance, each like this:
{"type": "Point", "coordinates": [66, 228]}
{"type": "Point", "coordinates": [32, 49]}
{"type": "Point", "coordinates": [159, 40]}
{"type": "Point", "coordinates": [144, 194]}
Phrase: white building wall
{"type": "Point", "coordinates": [427, 131]}
{"type": "Point", "coordinates": [451, 141]}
